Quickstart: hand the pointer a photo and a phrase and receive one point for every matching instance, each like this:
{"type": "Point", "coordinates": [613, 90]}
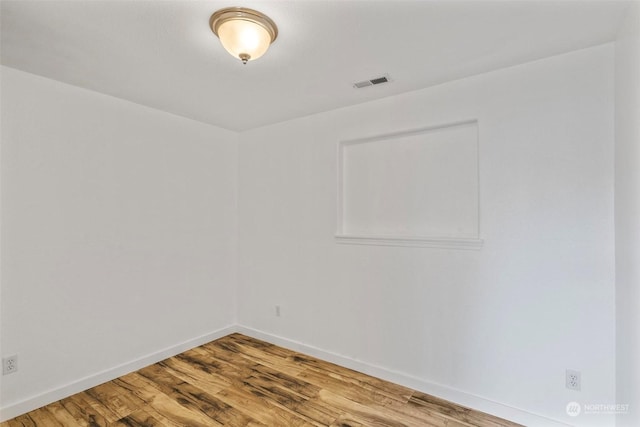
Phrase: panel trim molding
{"type": "Point", "coordinates": [417, 242]}
{"type": "Point", "coordinates": [342, 236]}
{"type": "Point", "coordinates": [407, 132]}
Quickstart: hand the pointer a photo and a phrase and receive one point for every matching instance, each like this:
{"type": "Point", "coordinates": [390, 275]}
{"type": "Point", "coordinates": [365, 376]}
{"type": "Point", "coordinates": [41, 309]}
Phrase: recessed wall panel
{"type": "Point", "coordinates": [413, 184]}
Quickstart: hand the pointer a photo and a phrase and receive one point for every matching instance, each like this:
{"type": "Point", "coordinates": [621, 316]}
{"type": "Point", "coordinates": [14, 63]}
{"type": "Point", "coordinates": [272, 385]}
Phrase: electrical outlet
{"type": "Point", "coordinates": [277, 311]}
{"type": "Point", "coordinates": [10, 365]}
{"type": "Point", "coordinates": [572, 380]}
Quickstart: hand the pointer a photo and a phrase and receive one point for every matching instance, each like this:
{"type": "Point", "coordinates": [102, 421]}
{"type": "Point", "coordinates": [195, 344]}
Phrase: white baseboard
{"type": "Point", "coordinates": [40, 400]}
{"type": "Point", "coordinates": [456, 396]}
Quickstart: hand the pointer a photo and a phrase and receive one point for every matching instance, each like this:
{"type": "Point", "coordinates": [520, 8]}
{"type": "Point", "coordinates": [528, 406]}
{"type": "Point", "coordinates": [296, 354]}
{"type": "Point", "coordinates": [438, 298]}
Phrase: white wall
{"type": "Point", "coordinates": [502, 323]}
{"type": "Point", "coordinates": [119, 235]}
{"type": "Point", "coordinates": [119, 238]}
{"type": "Point", "coordinates": [627, 204]}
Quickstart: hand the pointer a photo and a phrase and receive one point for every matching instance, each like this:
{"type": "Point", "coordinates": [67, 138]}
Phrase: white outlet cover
{"type": "Point", "coordinates": [573, 380]}
{"type": "Point", "coordinates": [10, 364]}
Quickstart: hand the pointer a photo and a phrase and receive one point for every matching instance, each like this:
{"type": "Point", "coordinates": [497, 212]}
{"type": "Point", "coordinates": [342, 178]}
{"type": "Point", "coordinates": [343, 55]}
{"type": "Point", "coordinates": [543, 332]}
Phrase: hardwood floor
{"type": "Point", "coordinates": [241, 381]}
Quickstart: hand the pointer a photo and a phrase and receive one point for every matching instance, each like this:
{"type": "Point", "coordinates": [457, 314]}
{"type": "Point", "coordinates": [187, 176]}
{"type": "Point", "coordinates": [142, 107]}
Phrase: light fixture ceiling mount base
{"type": "Point", "coordinates": [245, 33]}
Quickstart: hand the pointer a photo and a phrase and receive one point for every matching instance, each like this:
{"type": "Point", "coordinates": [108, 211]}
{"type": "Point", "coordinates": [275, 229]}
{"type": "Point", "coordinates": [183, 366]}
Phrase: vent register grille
{"type": "Point", "coordinates": [371, 82]}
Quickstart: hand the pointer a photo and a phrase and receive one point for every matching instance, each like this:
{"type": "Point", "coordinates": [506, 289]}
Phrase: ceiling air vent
{"type": "Point", "coordinates": [376, 81]}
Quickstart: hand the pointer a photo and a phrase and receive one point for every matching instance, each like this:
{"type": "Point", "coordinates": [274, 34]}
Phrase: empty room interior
{"type": "Point", "coordinates": [320, 212]}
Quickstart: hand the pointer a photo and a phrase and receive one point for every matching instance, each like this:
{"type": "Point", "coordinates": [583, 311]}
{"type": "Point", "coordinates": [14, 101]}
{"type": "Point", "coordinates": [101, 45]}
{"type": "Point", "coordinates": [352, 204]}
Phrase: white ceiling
{"type": "Point", "coordinates": [162, 53]}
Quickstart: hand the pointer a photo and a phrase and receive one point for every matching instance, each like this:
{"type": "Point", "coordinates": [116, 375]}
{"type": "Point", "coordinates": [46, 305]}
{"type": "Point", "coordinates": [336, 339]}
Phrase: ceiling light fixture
{"type": "Point", "coordinates": [244, 33]}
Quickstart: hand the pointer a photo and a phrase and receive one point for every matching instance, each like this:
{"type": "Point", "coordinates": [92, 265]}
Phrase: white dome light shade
{"type": "Point", "coordinates": [244, 37]}
{"type": "Point", "coordinates": [244, 33]}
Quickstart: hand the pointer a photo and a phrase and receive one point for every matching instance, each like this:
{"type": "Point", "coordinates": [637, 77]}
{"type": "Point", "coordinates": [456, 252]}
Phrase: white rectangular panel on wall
{"type": "Point", "coordinates": [411, 188]}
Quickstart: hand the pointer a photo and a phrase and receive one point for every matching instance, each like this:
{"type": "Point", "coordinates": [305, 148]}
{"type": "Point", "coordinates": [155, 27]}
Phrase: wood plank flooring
{"type": "Point", "coordinates": [241, 381]}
